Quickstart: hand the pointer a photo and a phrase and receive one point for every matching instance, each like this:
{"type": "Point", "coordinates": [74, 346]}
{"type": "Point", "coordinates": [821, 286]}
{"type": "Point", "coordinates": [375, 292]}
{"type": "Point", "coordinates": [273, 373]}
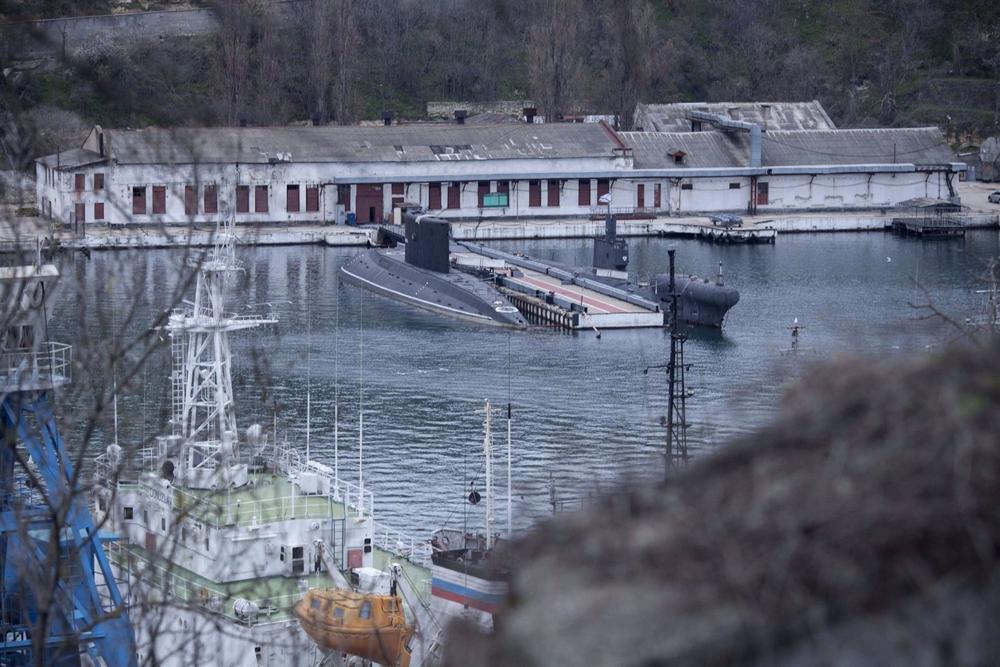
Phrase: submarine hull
{"type": "Point", "coordinates": [453, 294]}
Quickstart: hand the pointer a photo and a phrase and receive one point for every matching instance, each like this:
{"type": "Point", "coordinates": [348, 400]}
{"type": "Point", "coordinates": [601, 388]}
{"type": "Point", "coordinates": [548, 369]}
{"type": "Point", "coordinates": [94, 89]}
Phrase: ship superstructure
{"type": "Point", "coordinates": [223, 531]}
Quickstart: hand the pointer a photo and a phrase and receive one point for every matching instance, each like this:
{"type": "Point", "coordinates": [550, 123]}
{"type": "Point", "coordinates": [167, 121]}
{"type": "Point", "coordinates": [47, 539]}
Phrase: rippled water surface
{"type": "Point", "coordinates": [585, 415]}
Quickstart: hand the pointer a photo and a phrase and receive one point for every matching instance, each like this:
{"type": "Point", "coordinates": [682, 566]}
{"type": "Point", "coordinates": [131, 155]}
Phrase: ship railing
{"type": "Point", "coordinates": [126, 470]}
{"type": "Point", "coordinates": [48, 365]}
{"type": "Point", "coordinates": [403, 545]}
{"type": "Point", "coordinates": [216, 510]}
{"type": "Point", "coordinates": [291, 462]}
{"type": "Point", "coordinates": [185, 592]}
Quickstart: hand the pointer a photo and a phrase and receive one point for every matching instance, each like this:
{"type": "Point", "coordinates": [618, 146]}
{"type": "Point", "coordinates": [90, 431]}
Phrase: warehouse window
{"type": "Point", "coordinates": [312, 198]}
{"type": "Point", "coordinates": [78, 182]}
{"type": "Point", "coordinates": [98, 211]}
{"type": "Point", "coordinates": [98, 181]}
{"type": "Point", "coordinates": [260, 199]}
{"type": "Point", "coordinates": [138, 200]}
{"type": "Point", "coordinates": [687, 186]}
{"type": "Point", "coordinates": [242, 198]}
{"type": "Point", "coordinates": [190, 200]}
{"type": "Point", "coordinates": [292, 199]}
{"type": "Point", "coordinates": [734, 186]}
{"type": "Point", "coordinates": [128, 513]}
{"type": "Point", "coordinates": [159, 199]}
{"type": "Point", "coordinates": [211, 198]}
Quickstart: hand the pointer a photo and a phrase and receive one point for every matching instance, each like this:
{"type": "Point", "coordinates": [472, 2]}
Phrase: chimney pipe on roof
{"type": "Point", "coordinates": [100, 143]}
{"type": "Point", "coordinates": [460, 115]}
{"type": "Point", "coordinates": [387, 118]}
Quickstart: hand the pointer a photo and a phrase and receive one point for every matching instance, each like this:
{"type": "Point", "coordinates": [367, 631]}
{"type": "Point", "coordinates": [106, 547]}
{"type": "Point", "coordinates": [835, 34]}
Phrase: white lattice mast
{"type": "Point", "coordinates": [488, 452]}
{"type": "Point", "coordinates": [204, 415]}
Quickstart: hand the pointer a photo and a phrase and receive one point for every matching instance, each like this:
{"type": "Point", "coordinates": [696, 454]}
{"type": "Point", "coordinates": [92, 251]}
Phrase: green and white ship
{"type": "Point", "coordinates": [220, 532]}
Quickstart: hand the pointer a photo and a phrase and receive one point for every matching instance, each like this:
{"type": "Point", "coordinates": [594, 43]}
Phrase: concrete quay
{"type": "Point", "coordinates": [29, 233]}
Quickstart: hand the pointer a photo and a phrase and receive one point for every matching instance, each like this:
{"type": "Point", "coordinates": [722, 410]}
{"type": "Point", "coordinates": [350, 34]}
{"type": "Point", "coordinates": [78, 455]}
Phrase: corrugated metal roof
{"type": "Point", "coordinates": [772, 115]}
{"type": "Point", "coordinates": [920, 146]}
{"type": "Point", "coordinates": [396, 143]}
{"type": "Point", "coordinates": [656, 150]}
{"type": "Point", "coordinates": [71, 159]}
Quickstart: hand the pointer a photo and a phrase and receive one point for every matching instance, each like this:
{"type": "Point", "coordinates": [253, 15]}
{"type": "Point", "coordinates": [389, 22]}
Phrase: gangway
{"type": "Point", "coordinates": [59, 602]}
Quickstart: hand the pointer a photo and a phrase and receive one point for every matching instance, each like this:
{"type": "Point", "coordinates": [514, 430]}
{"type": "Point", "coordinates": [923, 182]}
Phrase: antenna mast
{"type": "Point", "coordinates": [361, 406]}
{"type": "Point", "coordinates": [677, 393]}
{"type": "Point", "coordinates": [488, 451]}
{"type": "Point", "coordinates": [510, 488]}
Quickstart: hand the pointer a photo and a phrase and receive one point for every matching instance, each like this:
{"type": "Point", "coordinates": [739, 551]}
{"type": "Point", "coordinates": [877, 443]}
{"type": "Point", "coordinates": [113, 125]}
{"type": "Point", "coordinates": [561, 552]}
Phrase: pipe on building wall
{"type": "Point", "coordinates": [756, 146]}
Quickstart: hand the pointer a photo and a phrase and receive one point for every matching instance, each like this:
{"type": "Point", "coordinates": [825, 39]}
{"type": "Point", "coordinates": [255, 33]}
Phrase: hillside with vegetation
{"type": "Point", "coordinates": [870, 62]}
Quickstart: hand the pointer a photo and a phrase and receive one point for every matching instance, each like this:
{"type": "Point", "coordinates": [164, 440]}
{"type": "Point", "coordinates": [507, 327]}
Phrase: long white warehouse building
{"type": "Point", "coordinates": [325, 174]}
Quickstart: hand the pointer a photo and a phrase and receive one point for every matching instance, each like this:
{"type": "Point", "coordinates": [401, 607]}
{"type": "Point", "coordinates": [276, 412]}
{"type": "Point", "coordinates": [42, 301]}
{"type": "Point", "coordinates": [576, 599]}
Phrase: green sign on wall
{"type": "Point", "coordinates": [496, 200]}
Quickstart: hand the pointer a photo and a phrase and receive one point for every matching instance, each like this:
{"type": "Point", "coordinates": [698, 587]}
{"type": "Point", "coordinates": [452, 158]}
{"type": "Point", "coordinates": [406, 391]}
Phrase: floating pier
{"type": "Point", "coordinates": [928, 227]}
{"type": "Point", "coordinates": [551, 296]}
{"type": "Point", "coordinates": [736, 235]}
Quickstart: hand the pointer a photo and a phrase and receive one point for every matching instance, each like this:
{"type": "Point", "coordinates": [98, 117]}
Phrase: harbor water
{"type": "Point", "coordinates": [586, 417]}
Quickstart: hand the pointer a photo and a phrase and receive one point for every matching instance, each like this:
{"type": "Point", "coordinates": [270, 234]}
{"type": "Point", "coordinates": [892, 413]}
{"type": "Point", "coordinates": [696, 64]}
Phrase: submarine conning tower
{"type": "Point", "coordinates": [427, 242]}
{"type": "Point", "coordinates": [610, 252]}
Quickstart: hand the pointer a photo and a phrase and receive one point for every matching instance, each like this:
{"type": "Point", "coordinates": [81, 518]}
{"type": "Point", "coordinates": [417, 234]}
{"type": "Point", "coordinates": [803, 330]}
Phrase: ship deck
{"type": "Point", "coordinates": [270, 498]}
{"type": "Point", "coordinates": [275, 596]}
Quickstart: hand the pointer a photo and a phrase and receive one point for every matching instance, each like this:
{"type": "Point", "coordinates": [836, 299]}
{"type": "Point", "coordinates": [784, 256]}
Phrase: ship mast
{"type": "Point", "coordinates": [204, 417]}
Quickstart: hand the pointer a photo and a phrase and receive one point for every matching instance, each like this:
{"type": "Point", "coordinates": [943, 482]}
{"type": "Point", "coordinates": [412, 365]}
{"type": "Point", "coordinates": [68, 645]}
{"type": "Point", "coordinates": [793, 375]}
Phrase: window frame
{"type": "Point", "coordinates": [293, 204]}
{"type": "Point", "coordinates": [139, 201]}
{"type": "Point", "coordinates": [242, 198]}
{"type": "Point", "coordinates": [257, 199]}
{"type": "Point", "coordinates": [159, 200]}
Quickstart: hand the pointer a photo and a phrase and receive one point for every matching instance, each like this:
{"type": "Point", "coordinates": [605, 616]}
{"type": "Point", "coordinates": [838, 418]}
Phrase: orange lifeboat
{"type": "Point", "coordinates": [368, 626]}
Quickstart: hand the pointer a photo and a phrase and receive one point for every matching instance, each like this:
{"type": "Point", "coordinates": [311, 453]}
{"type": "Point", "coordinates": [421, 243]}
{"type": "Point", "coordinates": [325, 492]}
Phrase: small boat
{"type": "Point", "coordinates": [372, 627]}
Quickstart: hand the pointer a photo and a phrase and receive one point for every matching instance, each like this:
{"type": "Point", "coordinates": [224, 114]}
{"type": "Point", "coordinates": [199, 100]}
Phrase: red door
{"type": "Point", "coordinates": [602, 187]}
{"type": "Point", "coordinates": [553, 193]}
{"type": "Point", "coordinates": [761, 194]}
{"type": "Point", "coordinates": [369, 202]}
{"type": "Point", "coordinates": [81, 212]}
{"type": "Point", "coordinates": [656, 196]}
{"type": "Point", "coordinates": [482, 189]}
{"type": "Point", "coordinates": [455, 195]}
{"type": "Point", "coordinates": [534, 193]}
{"type": "Point", "coordinates": [640, 195]}
{"type": "Point", "coordinates": [434, 196]}
{"type": "Point", "coordinates": [583, 189]}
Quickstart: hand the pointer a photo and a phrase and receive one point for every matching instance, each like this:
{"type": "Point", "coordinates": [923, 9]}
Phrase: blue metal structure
{"type": "Point", "coordinates": [59, 601]}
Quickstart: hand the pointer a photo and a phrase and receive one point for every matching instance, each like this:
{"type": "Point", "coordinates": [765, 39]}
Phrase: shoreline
{"type": "Point", "coordinates": [756, 229]}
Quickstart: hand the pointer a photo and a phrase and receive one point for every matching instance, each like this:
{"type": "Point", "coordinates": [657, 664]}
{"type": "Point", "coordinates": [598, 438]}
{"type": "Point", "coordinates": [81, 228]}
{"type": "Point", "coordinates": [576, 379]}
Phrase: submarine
{"type": "Point", "coordinates": [700, 301]}
{"type": "Point", "coordinates": [420, 276]}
